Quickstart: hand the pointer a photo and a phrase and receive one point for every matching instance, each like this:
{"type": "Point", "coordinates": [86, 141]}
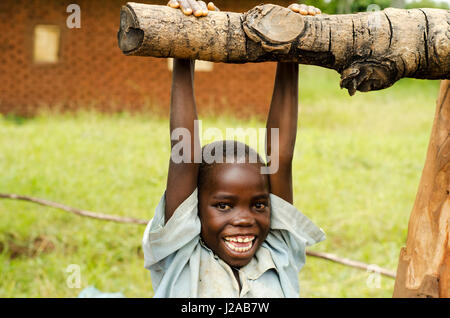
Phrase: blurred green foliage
{"type": "Point", "coordinates": [427, 4]}
{"type": "Point", "coordinates": [348, 6]}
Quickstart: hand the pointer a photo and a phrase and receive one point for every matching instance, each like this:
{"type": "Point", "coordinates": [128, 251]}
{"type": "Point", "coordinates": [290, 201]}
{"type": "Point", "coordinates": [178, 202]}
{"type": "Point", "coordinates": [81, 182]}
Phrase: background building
{"type": "Point", "coordinates": [43, 63]}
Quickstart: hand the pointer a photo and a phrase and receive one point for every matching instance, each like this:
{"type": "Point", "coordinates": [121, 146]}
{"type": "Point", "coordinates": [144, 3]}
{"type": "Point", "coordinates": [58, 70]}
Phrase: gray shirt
{"type": "Point", "coordinates": [181, 265]}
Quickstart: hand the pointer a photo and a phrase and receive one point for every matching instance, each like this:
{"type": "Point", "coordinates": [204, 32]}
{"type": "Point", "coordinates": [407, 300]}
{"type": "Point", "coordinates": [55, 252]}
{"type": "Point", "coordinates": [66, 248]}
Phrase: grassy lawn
{"type": "Point", "coordinates": [357, 167]}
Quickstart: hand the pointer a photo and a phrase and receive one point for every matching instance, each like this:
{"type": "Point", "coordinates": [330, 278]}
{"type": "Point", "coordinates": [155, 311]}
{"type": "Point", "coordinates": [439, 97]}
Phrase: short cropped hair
{"type": "Point", "coordinates": [232, 151]}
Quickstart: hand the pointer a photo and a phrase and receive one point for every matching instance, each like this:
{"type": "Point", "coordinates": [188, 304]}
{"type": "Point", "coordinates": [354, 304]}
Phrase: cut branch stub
{"type": "Point", "coordinates": [370, 50]}
{"type": "Point", "coordinates": [274, 27]}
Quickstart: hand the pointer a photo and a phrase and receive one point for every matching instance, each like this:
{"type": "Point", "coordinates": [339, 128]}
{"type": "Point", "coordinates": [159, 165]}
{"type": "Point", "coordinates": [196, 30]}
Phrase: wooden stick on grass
{"type": "Point", "coordinates": [89, 214]}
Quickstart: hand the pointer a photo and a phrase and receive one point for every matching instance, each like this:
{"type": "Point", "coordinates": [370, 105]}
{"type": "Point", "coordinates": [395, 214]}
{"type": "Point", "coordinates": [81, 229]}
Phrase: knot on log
{"type": "Point", "coordinates": [366, 76]}
{"type": "Point", "coordinates": [275, 27]}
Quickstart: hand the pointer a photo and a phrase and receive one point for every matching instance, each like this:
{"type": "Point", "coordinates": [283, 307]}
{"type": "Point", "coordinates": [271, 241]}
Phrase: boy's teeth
{"type": "Point", "coordinates": [239, 249]}
{"type": "Point", "coordinates": [240, 239]}
{"type": "Point", "coordinates": [235, 243]}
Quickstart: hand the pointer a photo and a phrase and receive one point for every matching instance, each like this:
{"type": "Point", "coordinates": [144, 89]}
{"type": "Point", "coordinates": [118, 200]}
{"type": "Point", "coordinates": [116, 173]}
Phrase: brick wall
{"type": "Point", "coordinates": [93, 73]}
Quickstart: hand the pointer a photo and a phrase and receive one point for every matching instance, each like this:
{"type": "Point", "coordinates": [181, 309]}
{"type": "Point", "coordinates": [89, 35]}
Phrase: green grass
{"type": "Point", "coordinates": [357, 167]}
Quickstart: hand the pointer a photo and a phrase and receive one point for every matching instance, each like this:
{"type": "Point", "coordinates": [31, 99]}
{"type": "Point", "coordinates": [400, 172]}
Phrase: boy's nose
{"type": "Point", "coordinates": [243, 218]}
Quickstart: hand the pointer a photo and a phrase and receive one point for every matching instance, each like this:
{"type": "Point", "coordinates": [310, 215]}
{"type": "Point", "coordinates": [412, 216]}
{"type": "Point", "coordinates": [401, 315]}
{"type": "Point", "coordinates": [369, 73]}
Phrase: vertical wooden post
{"type": "Point", "coordinates": [424, 264]}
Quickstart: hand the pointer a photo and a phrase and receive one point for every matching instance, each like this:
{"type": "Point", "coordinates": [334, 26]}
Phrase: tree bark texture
{"type": "Point", "coordinates": [424, 265]}
{"type": "Point", "coordinates": [371, 50]}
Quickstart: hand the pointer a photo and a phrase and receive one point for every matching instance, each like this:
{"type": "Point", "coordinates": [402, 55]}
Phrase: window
{"type": "Point", "coordinates": [46, 44]}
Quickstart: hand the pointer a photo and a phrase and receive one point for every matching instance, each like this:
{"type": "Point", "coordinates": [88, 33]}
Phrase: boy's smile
{"type": "Point", "coordinates": [240, 243]}
{"type": "Point", "coordinates": [234, 208]}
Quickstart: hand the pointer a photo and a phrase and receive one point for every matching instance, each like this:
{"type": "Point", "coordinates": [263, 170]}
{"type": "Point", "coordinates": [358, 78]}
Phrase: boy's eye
{"type": "Point", "coordinates": [223, 206]}
{"type": "Point", "coordinates": [260, 206]}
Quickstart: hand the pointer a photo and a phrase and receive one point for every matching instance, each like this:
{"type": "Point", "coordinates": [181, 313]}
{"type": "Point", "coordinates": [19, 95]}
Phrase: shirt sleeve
{"type": "Point", "coordinates": [285, 216]}
{"type": "Point", "coordinates": [290, 233]}
{"type": "Point", "coordinates": [163, 240]}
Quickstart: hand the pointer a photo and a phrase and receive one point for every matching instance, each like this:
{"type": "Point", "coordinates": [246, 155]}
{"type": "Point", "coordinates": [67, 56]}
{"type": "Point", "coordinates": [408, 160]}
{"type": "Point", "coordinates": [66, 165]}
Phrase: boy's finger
{"type": "Point", "coordinates": [174, 4]}
{"type": "Point", "coordinates": [185, 7]}
{"type": "Point", "coordinates": [311, 10]}
{"type": "Point", "coordinates": [212, 7]}
{"type": "Point", "coordinates": [303, 9]}
{"type": "Point", "coordinates": [294, 7]}
{"type": "Point", "coordinates": [196, 8]}
{"type": "Point", "coordinates": [318, 11]}
{"type": "Point", "coordinates": [203, 7]}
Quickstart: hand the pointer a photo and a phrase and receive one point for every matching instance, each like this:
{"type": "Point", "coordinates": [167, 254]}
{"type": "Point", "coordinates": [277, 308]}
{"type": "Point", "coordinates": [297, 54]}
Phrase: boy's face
{"type": "Point", "coordinates": [234, 210]}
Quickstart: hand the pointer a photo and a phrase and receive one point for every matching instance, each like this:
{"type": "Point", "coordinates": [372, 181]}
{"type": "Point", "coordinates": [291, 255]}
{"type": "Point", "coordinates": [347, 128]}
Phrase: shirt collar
{"type": "Point", "coordinates": [260, 263]}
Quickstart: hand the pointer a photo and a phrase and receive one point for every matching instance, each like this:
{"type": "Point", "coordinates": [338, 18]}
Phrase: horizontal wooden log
{"type": "Point", "coordinates": [371, 50]}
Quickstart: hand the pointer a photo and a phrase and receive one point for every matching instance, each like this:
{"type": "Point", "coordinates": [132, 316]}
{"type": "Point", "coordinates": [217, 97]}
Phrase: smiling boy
{"type": "Point", "coordinates": [224, 229]}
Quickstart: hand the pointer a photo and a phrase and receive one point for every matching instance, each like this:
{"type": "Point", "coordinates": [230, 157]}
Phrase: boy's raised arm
{"type": "Point", "coordinates": [182, 176]}
{"type": "Point", "coordinates": [283, 115]}
{"type": "Point", "coordinates": [183, 168]}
